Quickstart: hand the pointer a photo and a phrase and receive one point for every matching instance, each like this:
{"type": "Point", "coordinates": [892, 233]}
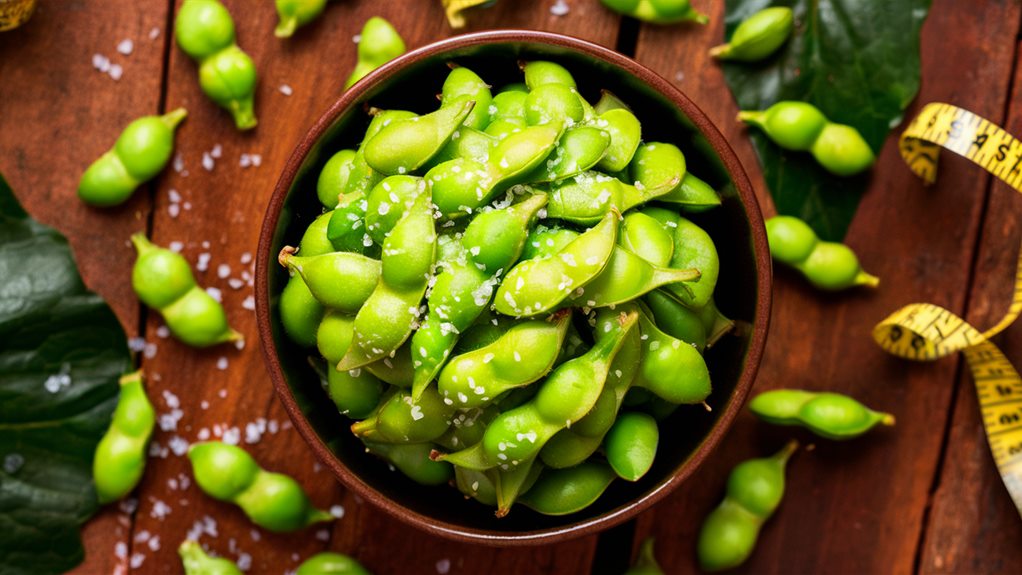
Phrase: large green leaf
{"type": "Point", "coordinates": [61, 353]}
{"type": "Point", "coordinates": [858, 61]}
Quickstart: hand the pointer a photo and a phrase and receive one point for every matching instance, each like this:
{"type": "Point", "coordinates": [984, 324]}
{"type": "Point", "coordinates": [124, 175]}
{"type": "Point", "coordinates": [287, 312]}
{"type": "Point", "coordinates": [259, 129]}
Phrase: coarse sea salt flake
{"type": "Point", "coordinates": [126, 46]}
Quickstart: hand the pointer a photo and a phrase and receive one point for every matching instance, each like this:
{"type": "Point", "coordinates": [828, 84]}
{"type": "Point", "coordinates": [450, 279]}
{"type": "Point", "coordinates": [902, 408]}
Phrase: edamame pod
{"type": "Point", "coordinates": [694, 249]}
{"type": "Point", "coordinates": [464, 85]}
{"type": "Point", "coordinates": [404, 146]}
{"type": "Point", "coordinates": [413, 460]}
{"type": "Point", "coordinates": [300, 312]}
{"type": "Point", "coordinates": [196, 562]}
{"type": "Point", "coordinates": [754, 491]}
{"type": "Point", "coordinates": [631, 445]}
{"type": "Point", "coordinates": [163, 280]}
{"type": "Point", "coordinates": [646, 563]}
{"type": "Point", "coordinates": [142, 151]}
{"type": "Point", "coordinates": [338, 280]}
{"type": "Point", "coordinates": [271, 500]}
{"type": "Point", "coordinates": [330, 563]}
{"type": "Point", "coordinates": [658, 11]}
{"type": "Point", "coordinates": [378, 44]}
{"type": "Point", "coordinates": [401, 419]}
{"type": "Point", "coordinates": [565, 491]}
{"type": "Point", "coordinates": [672, 369]}
{"type": "Point", "coordinates": [758, 36]}
{"type": "Point", "coordinates": [121, 455]}
{"type": "Point", "coordinates": [829, 415]}
{"type": "Point", "coordinates": [827, 265]}
{"type": "Point", "coordinates": [334, 178]}
{"type": "Point", "coordinates": [626, 277]}
{"type": "Point", "coordinates": [295, 13]}
{"type": "Point", "coordinates": [205, 31]}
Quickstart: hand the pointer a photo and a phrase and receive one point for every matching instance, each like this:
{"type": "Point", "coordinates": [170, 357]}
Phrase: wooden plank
{"type": "Point", "coordinates": [58, 114]}
{"type": "Point", "coordinates": [974, 526]}
{"type": "Point", "coordinates": [870, 494]}
{"type": "Point", "coordinates": [226, 208]}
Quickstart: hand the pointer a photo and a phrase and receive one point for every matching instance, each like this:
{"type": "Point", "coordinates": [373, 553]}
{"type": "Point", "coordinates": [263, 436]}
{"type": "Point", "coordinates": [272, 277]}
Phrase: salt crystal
{"type": "Point", "coordinates": [217, 151]}
{"type": "Point", "coordinates": [323, 535]}
{"type": "Point", "coordinates": [356, 38]}
{"type": "Point", "coordinates": [154, 33]}
{"type": "Point", "coordinates": [221, 363]}
{"type": "Point", "coordinates": [154, 543]}
{"type": "Point", "coordinates": [121, 550]}
{"type": "Point", "coordinates": [244, 561]}
{"type": "Point", "coordinates": [207, 162]}
{"type": "Point", "coordinates": [286, 90]}
{"type": "Point", "coordinates": [174, 196]}
{"type": "Point", "coordinates": [236, 283]}
{"type": "Point", "coordinates": [244, 161]}
{"type": "Point", "coordinates": [252, 433]}
{"type": "Point", "coordinates": [443, 566]}
{"type": "Point", "coordinates": [126, 46]}
{"type": "Point", "coordinates": [178, 445]}
{"type": "Point", "coordinates": [174, 210]}
{"type": "Point", "coordinates": [203, 434]}
{"type": "Point", "coordinates": [203, 263]}
{"type": "Point", "coordinates": [100, 62]}
{"type": "Point", "coordinates": [255, 535]}
{"type": "Point", "coordinates": [232, 436]}
{"type": "Point", "coordinates": [137, 559]}
{"type": "Point", "coordinates": [150, 350]}
{"type": "Point", "coordinates": [337, 511]}
{"type": "Point", "coordinates": [249, 303]}
{"type": "Point", "coordinates": [136, 344]}
{"type": "Point", "coordinates": [176, 246]}
{"type": "Point", "coordinates": [246, 258]}
{"type": "Point", "coordinates": [257, 159]}
{"type": "Point", "coordinates": [215, 294]}
{"type": "Point", "coordinates": [116, 71]}
{"type": "Point", "coordinates": [187, 205]}
{"type": "Point", "coordinates": [223, 270]}
{"type": "Point", "coordinates": [160, 509]}
{"type": "Point", "coordinates": [222, 393]}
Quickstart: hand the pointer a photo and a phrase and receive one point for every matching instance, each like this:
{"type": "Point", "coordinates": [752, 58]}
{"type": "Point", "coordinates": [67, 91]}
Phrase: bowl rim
{"type": "Point", "coordinates": [684, 469]}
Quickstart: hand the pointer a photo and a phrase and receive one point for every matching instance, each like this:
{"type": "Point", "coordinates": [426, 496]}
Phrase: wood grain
{"type": "Point", "coordinates": [58, 114]}
{"type": "Point", "coordinates": [974, 526]}
{"type": "Point", "coordinates": [871, 494]}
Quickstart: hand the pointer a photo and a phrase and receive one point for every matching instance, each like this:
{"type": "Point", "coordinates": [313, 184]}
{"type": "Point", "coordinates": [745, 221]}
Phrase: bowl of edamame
{"type": "Point", "coordinates": [524, 313]}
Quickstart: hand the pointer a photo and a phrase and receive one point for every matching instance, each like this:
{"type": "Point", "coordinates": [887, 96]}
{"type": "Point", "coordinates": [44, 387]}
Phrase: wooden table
{"type": "Point", "coordinates": [921, 497]}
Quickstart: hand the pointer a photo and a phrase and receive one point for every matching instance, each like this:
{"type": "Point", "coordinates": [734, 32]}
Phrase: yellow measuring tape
{"type": "Point", "coordinates": [455, 7]}
{"type": "Point", "coordinates": [14, 13]}
{"type": "Point", "coordinates": [926, 332]}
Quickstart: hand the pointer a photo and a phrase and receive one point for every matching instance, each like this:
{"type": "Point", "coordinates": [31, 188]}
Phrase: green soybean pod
{"type": "Point", "coordinates": [271, 500]}
{"type": "Point", "coordinates": [758, 36]}
{"type": "Point", "coordinates": [644, 236]}
{"type": "Point", "coordinates": [827, 265]}
{"type": "Point", "coordinates": [339, 280]}
{"type": "Point", "coordinates": [196, 562]}
{"type": "Point", "coordinates": [692, 195]}
{"type": "Point", "coordinates": [464, 85]}
{"type": "Point", "coordinates": [205, 31]}
{"type": "Point", "coordinates": [334, 178]}
{"type": "Point", "coordinates": [631, 445]}
{"type": "Point", "coordinates": [378, 44]}
{"type": "Point", "coordinates": [477, 485]}
{"type": "Point", "coordinates": [754, 491]}
{"type": "Point", "coordinates": [402, 419]}
{"type": "Point", "coordinates": [355, 392]}
{"type": "Point", "coordinates": [676, 320]}
{"type": "Point", "coordinates": [142, 151]}
{"type": "Point", "coordinates": [694, 249]}
{"type": "Point", "coordinates": [625, 134]}
{"type": "Point", "coordinates": [565, 491]}
{"type": "Point", "coordinates": [646, 563]}
{"type": "Point", "coordinates": [829, 415]}
{"type": "Point", "coordinates": [658, 11]}
{"type": "Point", "coordinates": [625, 278]}
{"type": "Point", "coordinates": [295, 13]}
{"type": "Point", "coordinates": [412, 459]}
{"type": "Point", "coordinates": [300, 312]}
{"type": "Point", "coordinates": [404, 146]}
{"type": "Point", "coordinates": [163, 280]}
{"type": "Point", "coordinates": [541, 72]}
{"type": "Point", "coordinates": [331, 563]}
{"type": "Point", "coordinates": [672, 369]}
{"type": "Point", "coordinates": [121, 455]}
{"type": "Point", "coordinates": [842, 150]}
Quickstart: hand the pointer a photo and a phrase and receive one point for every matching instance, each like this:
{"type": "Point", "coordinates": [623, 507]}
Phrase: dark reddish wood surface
{"type": "Point", "coordinates": [923, 496]}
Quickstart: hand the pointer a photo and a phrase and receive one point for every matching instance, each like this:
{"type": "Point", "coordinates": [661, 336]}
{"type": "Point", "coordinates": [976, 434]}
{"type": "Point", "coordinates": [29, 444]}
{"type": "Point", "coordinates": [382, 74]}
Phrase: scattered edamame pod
{"type": "Point", "coordinates": [331, 563]}
{"type": "Point", "coordinates": [378, 44]}
{"type": "Point", "coordinates": [754, 490]}
{"type": "Point", "coordinates": [205, 31]}
{"type": "Point", "coordinates": [197, 562]}
{"type": "Point", "coordinates": [829, 415]}
{"type": "Point", "coordinates": [827, 265]}
{"type": "Point", "coordinates": [646, 563]}
{"type": "Point", "coordinates": [658, 11]}
{"type": "Point", "coordinates": [142, 151]}
{"type": "Point", "coordinates": [163, 280]}
{"type": "Point", "coordinates": [270, 500]}
{"type": "Point", "coordinates": [758, 36]}
{"type": "Point", "coordinates": [121, 455]}
{"type": "Point", "coordinates": [800, 126]}
{"type": "Point", "coordinates": [295, 13]}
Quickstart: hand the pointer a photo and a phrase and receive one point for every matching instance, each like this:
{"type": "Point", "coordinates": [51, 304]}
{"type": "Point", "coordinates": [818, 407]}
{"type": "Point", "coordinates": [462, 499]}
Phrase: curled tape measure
{"type": "Point", "coordinates": [455, 7]}
{"type": "Point", "coordinates": [926, 332]}
{"type": "Point", "coordinates": [14, 13]}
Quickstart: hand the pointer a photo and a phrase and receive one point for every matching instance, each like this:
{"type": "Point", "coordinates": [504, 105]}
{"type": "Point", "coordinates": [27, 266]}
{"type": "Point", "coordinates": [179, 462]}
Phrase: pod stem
{"type": "Point", "coordinates": [142, 243]}
{"type": "Point", "coordinates": [867, 279]}
{"type": "Point", "coordinates": [174, 117]}
{"type": "Point", "coordinates": [721, 52]}
{"type": "Point", "coordinates": [754, 117]}
{"type": "Point", "coordinates": [364, 428]}
{"type": "Point", "coordinates": [317, 515]}
{"type": "Point", "coordinates": [698, 17]}
{"type": "Point", "coordinates": [131, 378]}
{"type": "Point", "coordinates": [232, 335]}
{"type": "Point", "coordinates": [647, 558]}
{"type": "Point", "coordinates": [884, 418]}
{"type": "Point", "coordinates": [244, 113]}
{"type": "Point", "coordinates": [285, 255]}
{"type": "Point", "coordinates": [286, 28]}
{"type": "Point", "coordinates": [786, 452]}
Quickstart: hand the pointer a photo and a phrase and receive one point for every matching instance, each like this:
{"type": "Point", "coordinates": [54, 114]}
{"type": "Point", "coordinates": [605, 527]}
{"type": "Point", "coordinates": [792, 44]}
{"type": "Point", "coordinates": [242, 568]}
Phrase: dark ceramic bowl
{"type": "Point", "coordinates": [743, 291]}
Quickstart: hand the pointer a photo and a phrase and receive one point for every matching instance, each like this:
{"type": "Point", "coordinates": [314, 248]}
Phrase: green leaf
{"type": "Point", "coordinates": [62, 351]}
{"type": "Point", "coordinates": [856, 60]}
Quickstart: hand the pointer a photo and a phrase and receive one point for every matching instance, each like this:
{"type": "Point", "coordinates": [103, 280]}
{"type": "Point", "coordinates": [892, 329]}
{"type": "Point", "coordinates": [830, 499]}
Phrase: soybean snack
{"type": "Point", "coordinates": [757, 37]}
{"type": "Point", "coordinates": [658, 11]}
{"type": "Point", "coordinates": [476, 289]}
{"type": "Point", "coordinates": [829, 415]}
{"type": "Point", "coordinates": [197, 562]}
{"type": "Point", "coordinates": [754, 491]}
{"type": "Point", "coordinates": [800, 126]}
{"type": "Point", "coordinates": [163, 281]}
{"type": "Point", "coordinates": [330, 563]}
{"type": "Point", "coordinates": [142, 151]}
{"type": "Point", "coordinates": [378, 44]}
{"type": "Point", "coordinates": [270, 500]}
{"type": "Point", "coordinates": [827, 265]}
{"type": "Point", "coordinates": [205, 31]}
{"type": "Point", "coordinates": [121, 455]}
{"type": "Point", "coordinates": [295, 13]}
